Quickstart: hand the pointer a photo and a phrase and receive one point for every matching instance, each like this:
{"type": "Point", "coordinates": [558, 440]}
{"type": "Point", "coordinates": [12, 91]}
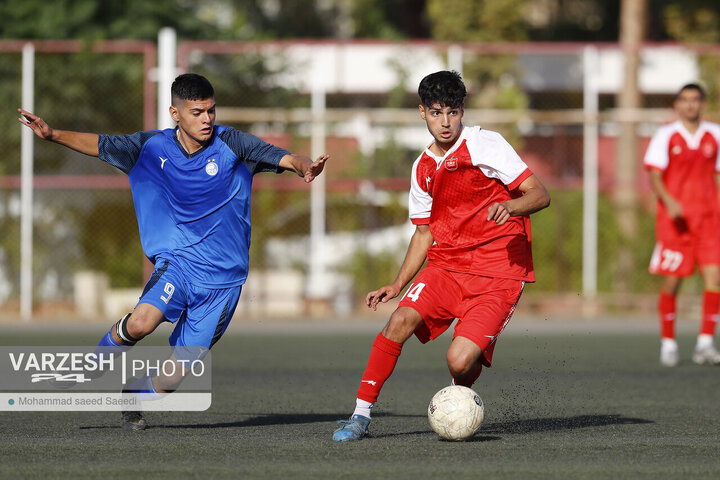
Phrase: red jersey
{"type": "Point", "coordinates": [452, 194]}
{"type": "Point", "coordinates": [689, 163]}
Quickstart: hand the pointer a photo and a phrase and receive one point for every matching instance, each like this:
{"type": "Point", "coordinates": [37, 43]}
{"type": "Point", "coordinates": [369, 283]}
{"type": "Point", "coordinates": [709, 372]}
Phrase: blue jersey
{"type": "Point", "coordinates": [194, 209]}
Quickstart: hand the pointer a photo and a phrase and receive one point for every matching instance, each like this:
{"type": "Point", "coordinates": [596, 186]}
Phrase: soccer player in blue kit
{"type": "Point", "coordinates": [191, 190]}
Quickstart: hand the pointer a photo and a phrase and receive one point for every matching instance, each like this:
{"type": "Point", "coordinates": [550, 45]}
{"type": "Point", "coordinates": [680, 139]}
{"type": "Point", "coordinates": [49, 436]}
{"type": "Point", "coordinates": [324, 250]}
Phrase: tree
{"type": "Point", "coordinates": [626, 199]}
{"type": "Point", "coordinates": [492, 80]}
{"type": "Point", "coordinates": [697, 22]}
{"type": "Point", "coordinates": [477, 20]}
{"type": "Point", "coordinates": [390, 19]}
{"type": "Point", "coordinates": [99, 20]}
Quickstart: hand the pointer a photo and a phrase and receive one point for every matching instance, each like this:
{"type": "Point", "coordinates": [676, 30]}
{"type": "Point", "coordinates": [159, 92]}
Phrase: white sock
{"type": "Point", "coordinates": [704, 341]}
{"type": "Point", "coordinates": [669, 344]}
{"type": "Point", "coordinates": [363, 408]}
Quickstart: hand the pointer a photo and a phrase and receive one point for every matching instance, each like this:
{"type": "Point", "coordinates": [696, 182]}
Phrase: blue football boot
{"type": "Point", "coordinates": [353, 429]}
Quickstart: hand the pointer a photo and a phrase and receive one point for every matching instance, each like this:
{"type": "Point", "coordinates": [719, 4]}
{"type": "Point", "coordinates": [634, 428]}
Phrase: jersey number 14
{"type": "Point", "coordinates": [414, 291]}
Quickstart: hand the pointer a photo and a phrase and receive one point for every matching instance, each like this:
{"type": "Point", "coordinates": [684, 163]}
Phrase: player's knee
{"type": "Point", "coordinates": [137, 326]}
{"type": "Point", "coordinates": [460, 364]}
{"type": "Point", "coordinates": [402, 324]}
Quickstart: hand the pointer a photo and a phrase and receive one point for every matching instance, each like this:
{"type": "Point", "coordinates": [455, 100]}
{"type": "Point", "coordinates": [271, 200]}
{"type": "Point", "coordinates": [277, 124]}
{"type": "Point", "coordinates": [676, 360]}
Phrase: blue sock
{"type": "Point", "coordinates": [144, 389]}
{"type": "Point", "coordinates": [108, 347]}
{"type": "Point", "coordinates": [108, 340]}
{"type": "Point", "coordinates": [141, 385]}
{"type": "Point", "coordinates": [108, 344]}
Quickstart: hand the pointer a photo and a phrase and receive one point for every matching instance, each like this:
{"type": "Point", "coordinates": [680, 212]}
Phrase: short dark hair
{"type": "Point", "coordinates": [692, 86]}
{"type": "Point", "coordinates": [191, 86]}
{"type": "Point", "coordinates": [445, 87]}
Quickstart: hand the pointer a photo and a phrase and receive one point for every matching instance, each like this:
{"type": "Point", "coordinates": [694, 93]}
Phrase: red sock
{"type": "Point", "coordinates": [383, 357]}
{"type": "Point", "coordinates": [666, 307]}
{"type": "Point", "coordinates": [710, 308]}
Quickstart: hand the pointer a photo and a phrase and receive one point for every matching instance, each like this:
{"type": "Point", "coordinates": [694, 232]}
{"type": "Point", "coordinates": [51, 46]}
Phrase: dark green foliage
{"type": "Point", "coordinates": [108, 236]}
{"type": "Point", "coordinates": [99, 20]}
{"type": "Point", "coordinates": [557, 246]}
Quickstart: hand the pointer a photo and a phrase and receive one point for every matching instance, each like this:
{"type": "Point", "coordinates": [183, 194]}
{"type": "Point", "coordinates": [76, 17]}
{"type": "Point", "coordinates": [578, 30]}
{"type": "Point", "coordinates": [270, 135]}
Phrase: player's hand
{"type": "Point", "coordinates": [36, 123]}
{"type": "Point", "coordinates": [315, 168]}
{"type": "Point", "coordinates": [674, 208]}
{"type": "Point", "coordinates": [498, 212]}
{"type": "Point", "coordinates": [382, 294]}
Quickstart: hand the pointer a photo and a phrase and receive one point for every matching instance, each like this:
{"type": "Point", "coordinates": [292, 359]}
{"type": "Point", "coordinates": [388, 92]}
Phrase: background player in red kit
{"type": "Point", "coordinates": [470, 198]}
{"type": "Point", "coordinates": [684, 164]}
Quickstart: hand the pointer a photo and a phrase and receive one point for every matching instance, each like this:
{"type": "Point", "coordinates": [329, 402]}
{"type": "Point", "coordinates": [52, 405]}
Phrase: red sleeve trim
{"type": "Point", "coordinates": [521, 178]}
{"type": "Point", "coordinates": [420, 221]}
{"type": "Point", "coordinates": [653, 167]}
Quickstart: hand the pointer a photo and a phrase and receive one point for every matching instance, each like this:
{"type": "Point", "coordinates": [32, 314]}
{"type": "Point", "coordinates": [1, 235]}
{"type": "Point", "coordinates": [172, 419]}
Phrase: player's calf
{"type": "Point", "coordinates": [467, 377]}
{"type": "Point", "coordinates": [140, 324]}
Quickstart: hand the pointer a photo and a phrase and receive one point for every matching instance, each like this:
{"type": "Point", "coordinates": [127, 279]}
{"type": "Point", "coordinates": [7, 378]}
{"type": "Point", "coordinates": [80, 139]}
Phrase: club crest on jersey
{"type": "Point", "coordinates": [451, 164]}
{"type": "Point", "coordinates": [676, 150]}
{"type": "Point", "coordinates": [212, 168]}
{"type": "Point", "coordinates": [708, 149]}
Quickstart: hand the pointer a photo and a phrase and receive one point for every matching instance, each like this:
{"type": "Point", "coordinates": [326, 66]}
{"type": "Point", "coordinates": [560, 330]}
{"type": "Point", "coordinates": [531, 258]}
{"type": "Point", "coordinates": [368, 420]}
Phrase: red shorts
{"type": "Point", "coordinates": [483, 306]}
{"type": "Point", "coordinates": [684, 243]}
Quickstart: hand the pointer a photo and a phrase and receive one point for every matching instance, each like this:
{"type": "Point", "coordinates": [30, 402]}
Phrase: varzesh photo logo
{"type": "Point", "coordinates": [105, 378]}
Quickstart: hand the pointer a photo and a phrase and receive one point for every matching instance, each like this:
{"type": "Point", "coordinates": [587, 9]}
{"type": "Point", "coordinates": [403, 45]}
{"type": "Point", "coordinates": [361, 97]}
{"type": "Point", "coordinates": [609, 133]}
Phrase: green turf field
{"type": "Point", "coordinates": [571, 406]}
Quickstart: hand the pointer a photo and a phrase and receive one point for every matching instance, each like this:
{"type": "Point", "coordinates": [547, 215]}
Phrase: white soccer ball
{"type": "Point", "coordinates": [456, 413]}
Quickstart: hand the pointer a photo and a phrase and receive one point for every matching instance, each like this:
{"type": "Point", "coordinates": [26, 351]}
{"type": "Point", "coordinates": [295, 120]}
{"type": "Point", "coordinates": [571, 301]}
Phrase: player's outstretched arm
{"type": "Point", "coordinates": [421, 240]}
{"type": "Point", "coordinates": [86, 143]}
{"type": "Point", "coordinates": [303, 166]}
{"type": "Point", "coordinates": [534, 197]}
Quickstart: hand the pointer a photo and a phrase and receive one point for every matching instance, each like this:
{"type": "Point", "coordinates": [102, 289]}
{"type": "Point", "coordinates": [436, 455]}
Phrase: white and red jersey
{"type": "Point", "coordinates": [452, 194]}
{"type": "Point", "coordinates": [689, 162]}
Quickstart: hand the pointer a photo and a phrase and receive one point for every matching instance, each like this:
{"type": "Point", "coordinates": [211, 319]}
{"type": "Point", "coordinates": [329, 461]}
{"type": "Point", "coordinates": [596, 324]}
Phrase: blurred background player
{"type": "Point", "coordinates": [191, 190]}
{"type": "Point", "coordinates": [470, 198]}
{"type": "Point", "coordinates": [683, 161]}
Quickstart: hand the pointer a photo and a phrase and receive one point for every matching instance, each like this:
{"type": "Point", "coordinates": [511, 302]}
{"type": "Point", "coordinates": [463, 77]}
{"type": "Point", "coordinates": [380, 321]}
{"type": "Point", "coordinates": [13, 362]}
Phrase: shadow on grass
{"type": "Point", "coordinates": [487, 432]}
{"type": "Point", "coordinates": [532, 425]}
{"type": "Point", "coordinates": [259, 420]}
{"type": "Point", "coordinates": [490, 431]}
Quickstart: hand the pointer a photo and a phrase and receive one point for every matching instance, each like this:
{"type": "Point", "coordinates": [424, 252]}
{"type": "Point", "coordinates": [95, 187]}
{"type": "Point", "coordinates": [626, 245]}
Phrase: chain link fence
{"type": "Point", "coordinates": [86, 244]}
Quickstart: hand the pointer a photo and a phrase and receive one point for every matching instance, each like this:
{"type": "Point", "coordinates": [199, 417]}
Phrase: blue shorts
{"type": "Point", "coordinates": [201, 315]}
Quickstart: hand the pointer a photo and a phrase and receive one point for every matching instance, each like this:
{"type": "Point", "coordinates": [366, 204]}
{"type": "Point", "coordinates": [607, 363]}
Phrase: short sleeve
{"type": "Point", "coordinates": [420, 201]}
{"type": "Point", "coordinates": [496, 157]}
{"type": "Point", "coordinates": [657, 155]}
{"type": "Point", "coordinates": [714, 130]}
{"type": "Point", "coordinates": [255, 153]}
{"type": "Point", "coordinates": [122, 151]}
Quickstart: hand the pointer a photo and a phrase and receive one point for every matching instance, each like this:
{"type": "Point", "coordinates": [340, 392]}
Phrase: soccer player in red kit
{"type": "Point", "coordinates": [683, 161]}
{"type": "Point", "coordinates": [470, 198]}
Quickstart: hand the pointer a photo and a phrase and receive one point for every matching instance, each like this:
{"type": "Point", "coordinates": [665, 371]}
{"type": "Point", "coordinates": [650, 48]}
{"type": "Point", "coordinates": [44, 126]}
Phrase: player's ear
{"type": "Point", "coordinates": [422, 111]}
{"type": "Point", "coordinates": [174, 113]}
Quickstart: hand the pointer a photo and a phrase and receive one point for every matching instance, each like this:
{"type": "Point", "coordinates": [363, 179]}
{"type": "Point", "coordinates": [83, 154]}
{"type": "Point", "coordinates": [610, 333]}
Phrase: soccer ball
{"type": "Point", "coordinates": [455, 413]}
